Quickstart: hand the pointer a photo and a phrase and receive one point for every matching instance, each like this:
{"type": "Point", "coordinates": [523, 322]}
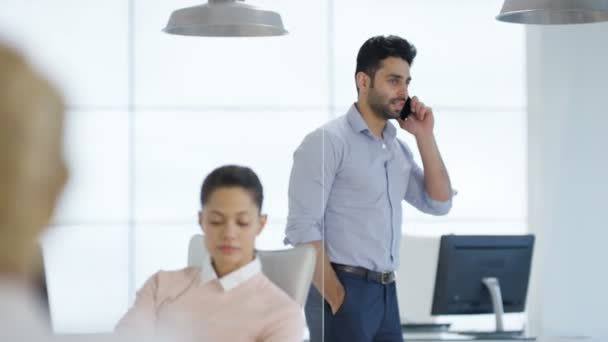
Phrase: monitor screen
{"type": "Point", "coordinates": [465, 260]}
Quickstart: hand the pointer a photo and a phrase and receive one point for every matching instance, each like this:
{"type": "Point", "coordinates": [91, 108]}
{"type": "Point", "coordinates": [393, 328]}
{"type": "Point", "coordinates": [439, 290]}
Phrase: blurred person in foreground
{"type": "Point", "coordinates": [32, 175]}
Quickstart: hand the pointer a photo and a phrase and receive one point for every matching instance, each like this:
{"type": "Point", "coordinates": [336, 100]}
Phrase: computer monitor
{"type": "Point", "coordinates": [482, 274]}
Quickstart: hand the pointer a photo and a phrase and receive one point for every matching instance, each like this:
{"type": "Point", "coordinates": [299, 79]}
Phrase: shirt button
{"type": "Point", "coordinates": [383, 146]}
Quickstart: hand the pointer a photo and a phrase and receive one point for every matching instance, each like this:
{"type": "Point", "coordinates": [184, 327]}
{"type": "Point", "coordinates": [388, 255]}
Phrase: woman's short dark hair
{"type": "Point", "coordinates": [229, 176]}
{"type": "Point", "coordinates": [378, 48]}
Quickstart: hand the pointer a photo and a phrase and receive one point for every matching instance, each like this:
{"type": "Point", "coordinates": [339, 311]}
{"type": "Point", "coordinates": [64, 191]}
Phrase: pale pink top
{"type": "Point", "coordinates": [192, 304]}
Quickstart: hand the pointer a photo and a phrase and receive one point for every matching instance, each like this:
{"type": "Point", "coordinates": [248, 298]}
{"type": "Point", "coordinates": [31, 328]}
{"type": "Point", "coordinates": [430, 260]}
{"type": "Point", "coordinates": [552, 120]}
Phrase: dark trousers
{"type": "Point", "coordinates": [369, 313]}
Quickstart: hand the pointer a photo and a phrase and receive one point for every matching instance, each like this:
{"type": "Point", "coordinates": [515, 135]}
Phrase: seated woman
{"type": "Point", "coordinates": [229, 298]}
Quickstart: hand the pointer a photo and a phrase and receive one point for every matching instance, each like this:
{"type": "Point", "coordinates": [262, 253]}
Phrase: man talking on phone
{"type": "Point", "coordinates": [345, 191]}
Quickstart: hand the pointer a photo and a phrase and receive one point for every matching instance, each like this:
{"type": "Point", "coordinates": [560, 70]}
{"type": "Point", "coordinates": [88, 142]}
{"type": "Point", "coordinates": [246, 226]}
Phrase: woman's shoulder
{"type": "Point", "coordinates": [182, 273]}
{"type": "Point", "coordinates": [170, 281]}
{"type": "Point", "coordinates": [279, 310]}
{"type": "Point", "coordinates": [275, 294]}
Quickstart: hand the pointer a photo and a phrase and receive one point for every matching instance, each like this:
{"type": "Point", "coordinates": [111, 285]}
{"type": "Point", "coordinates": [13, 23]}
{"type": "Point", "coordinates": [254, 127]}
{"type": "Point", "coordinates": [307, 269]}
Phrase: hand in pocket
{"type": "Point", "coordinates": [338, 298]}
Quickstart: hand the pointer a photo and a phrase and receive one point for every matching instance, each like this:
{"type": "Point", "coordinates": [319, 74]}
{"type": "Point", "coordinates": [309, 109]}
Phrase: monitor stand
{"type": "Point", "coordinates": [495, 295]}
{"type": "Point", "coordinates": [493, 286]}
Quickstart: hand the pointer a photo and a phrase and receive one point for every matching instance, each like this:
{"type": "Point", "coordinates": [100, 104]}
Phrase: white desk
{"type": "Point", "coordinates": [430, 338]}
{"type": "Point", "coordinates": [408, 338]}
{"type": "Point", "coordinates": [447, 336]}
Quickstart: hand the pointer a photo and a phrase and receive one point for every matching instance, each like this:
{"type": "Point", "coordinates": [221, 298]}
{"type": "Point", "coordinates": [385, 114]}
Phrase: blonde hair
{"type": "Point", "coordinates": [32, 169]}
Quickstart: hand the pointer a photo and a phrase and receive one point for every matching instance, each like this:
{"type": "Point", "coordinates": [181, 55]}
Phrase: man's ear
{"type": "Point", "coordinates": [263, 220]}
{"type": "Point", "coordinates": [363, 81]}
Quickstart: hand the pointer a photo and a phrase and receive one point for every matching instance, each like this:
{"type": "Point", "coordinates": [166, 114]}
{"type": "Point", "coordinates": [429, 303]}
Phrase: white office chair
{"type": "Point", "coordinates": [291, 269]}
{"type": "Point", "coordinates": [416, 278]}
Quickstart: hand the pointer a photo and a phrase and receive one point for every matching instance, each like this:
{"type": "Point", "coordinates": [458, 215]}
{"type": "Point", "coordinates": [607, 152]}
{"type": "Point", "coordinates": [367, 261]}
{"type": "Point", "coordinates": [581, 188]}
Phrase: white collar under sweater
{"type": "Point", "coordinates": [232, 279]}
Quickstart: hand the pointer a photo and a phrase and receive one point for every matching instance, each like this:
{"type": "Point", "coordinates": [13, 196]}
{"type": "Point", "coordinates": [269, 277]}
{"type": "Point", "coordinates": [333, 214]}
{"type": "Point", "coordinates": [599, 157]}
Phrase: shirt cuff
{"type": "Point", "coordinates": [298, 236]}
{"type": "Point", "coordinates": [440, 207]}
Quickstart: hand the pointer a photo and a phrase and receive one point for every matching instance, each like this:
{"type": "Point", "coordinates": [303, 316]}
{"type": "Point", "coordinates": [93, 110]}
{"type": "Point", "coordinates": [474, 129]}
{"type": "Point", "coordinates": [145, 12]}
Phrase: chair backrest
{"type": "Point", "coordinates": [416, 278]}
{"type": "Point", "coordinates": [290, 269]}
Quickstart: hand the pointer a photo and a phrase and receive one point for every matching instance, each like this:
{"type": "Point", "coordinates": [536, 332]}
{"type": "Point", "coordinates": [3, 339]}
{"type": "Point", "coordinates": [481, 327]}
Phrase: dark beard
{"type": "Point", "coordinates": [387, 114]}
{"type": "Point", "coordinates": [383, 111]}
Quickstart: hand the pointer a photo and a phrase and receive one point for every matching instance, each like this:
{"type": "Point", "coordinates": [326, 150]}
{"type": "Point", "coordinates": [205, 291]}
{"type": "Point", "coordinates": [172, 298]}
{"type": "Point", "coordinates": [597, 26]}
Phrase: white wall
{"type": "Point", "coordinates": [568, 166]}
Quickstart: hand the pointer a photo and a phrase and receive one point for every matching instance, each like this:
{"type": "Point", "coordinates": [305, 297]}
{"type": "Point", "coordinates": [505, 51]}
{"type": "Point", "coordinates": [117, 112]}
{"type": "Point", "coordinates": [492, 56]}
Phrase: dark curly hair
{"type": "Point", "coordinates": [378, 48]}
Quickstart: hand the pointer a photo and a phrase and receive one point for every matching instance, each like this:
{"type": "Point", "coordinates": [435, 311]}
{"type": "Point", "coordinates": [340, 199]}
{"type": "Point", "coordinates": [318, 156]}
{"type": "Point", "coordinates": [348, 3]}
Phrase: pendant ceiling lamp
{"type": "Point", "coordinates": [554, 12]}
{"type": "Point", "coordinates": [225, 18]}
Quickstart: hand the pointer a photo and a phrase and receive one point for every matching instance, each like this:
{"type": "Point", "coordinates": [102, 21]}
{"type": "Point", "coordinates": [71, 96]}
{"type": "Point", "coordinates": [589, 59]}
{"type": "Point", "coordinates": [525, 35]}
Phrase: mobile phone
{"type": "Point", "coordinates": [407, 109]}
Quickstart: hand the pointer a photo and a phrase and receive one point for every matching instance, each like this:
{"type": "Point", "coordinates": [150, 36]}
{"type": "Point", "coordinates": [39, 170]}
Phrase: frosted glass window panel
{"type": "Point", "coordinates": [82, 45]}
{"type": "Point", "coordinates": [176, 150]}
{"type": "Point", "coordinates": [97, 149]}
{"type": "Point", "coordinates": [186, 71]}
{"type": "Point", "coordinates": [465, 57]}
{"type": "Point", "coordinates": [87, 277]}
{"type": "Point", "coordinates": [445, 225]}
{"type": "Point", "coordinates": [485, 153]}
{"type": "Point", "coordinates": [161, 247]}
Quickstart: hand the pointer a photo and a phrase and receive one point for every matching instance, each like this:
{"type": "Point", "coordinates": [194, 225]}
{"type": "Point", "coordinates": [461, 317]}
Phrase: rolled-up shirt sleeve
{"type": "Point", "coordinates": [416, 194]}
{"type": "Point", "coordinates": [315, 163]}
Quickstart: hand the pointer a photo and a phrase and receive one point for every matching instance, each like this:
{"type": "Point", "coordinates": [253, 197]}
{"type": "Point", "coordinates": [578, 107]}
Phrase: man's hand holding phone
{"type": "Point", "coordinates": [419, 120]}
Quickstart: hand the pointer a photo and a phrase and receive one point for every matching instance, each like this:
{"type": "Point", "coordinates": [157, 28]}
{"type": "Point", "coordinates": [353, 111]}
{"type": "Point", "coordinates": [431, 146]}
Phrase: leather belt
{"type": "Point", "coordinates": [378, 277]}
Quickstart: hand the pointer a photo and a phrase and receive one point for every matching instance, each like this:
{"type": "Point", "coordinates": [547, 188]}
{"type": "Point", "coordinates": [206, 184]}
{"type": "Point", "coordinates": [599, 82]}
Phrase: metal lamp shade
{"type": "Point", "coordinates": [554, 12]}
{"type": "Point", "coordinates": [225, 18]}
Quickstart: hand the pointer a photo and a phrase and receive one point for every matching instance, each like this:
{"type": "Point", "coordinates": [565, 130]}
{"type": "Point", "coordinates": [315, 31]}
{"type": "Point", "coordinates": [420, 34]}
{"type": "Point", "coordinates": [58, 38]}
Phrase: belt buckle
{"type": "Point", "coordinates": [384, 278]}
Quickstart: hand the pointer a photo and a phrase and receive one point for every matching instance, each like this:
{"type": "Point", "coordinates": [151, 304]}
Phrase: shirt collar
{"type": "Point", "coordinates": [359, 125]}
{"type": "Point", "coordinates": [232, 279]}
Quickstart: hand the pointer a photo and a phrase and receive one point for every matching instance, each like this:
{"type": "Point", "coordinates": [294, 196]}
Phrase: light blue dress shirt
{"type": "Point", "coordinates": [346, 188]}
